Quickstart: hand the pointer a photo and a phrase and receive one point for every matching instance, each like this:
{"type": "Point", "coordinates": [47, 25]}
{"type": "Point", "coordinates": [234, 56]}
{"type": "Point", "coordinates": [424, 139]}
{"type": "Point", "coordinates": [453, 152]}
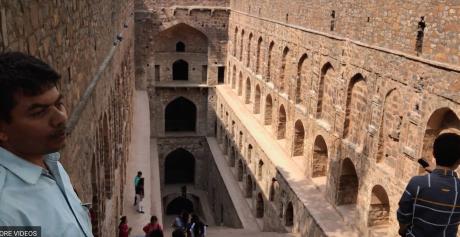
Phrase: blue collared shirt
{"type": "Point", "coordinates": [430, 205]}
{"type": "Point", "coordinates": [32, 196]}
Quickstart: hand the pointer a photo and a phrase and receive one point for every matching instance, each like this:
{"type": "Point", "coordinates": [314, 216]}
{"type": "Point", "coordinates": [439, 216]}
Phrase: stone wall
{"type": "Point", "coordinates": [169, 3]}
{"type": "Point", "coordinates": [75, 37]}
{"type": "Point", "coordinates": [388, 24]}
{"type": "Point", "coordinates": [377, 109]}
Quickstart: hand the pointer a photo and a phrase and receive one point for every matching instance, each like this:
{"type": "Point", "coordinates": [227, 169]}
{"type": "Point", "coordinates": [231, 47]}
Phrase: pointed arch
{"type": "Point", "coordinates": [269, 61]}
{"type": "Point", "coordinates": [257, 100]}
{"type": "Point", "coordinates": [356, 110]}
{"type": "Point", "coordinates": [320, 157]}
{"type": "Point", "coordinates": [247, 98]}
{"type": "Point", "coordinates": [234, 77]}
{"type": "Point", "coordinates": [180, 115]}
{"type": "Point", "coordinates": [235, 41]}
{"type": "Point", "coordinates": [324, 92]}
{"type": "Point", "coordinates": [249, 152]}
{"type": "Point", "coordinates": [301, 72]}
{"type": "Point", "coordinates": [232, 156]}
{"type": "Point", "coordinates": [379, 209]}
{"type": "Point", "coordinates": [299, 136]}
{"type": "Point", "coordinates": [260, 206]}
{"type": "Point", "coordinates": [248, 60]}
{"type": "Point", "coordinates": [284, 70]}
{"type": "Point", "coordinates": [440, 121]}
{"type": "Point", "coordinates": [240, 170]}
{"type": "Point", "coordinates": [390, 128]}
{"type": "Point", "coordinates": [180, 70]}
{"type": "Point", "coordinates": [259, 55]}
{"type": "Point", "coordinates": [240, 84]}
{"type": "Point", "coordinates": [347, 192]}
{"type": "Point", "coordinates": [242, 45]}
{"type": "Point", "coordinates": [260, 169]}
{"type": "Point", "coordinates": [289, 217]}
{"type": "Point", "coordinates": [248, 186]}
{"type": "Point", "coordinates": [268, 110]}
{"type": "Point", "coordinates": [179, 167]}
{"type": "Point", "coordinates": [271, 193]}
{"type": "Point", "coordinates": [180, 46]}
{"type": "Point", "coordinates": [282, 119]}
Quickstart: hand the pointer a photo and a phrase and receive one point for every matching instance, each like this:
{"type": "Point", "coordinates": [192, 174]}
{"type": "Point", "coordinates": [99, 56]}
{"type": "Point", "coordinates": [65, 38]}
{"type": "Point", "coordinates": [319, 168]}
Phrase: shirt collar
{"type": "Point", "coordinates": [445, 172]}
{"type": "Point", "coordinates": [28, 172]}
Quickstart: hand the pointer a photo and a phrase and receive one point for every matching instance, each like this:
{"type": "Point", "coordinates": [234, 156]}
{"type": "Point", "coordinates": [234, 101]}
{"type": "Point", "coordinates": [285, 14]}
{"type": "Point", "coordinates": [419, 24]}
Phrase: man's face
{"type": "Point", "coordinates": [37, 125]}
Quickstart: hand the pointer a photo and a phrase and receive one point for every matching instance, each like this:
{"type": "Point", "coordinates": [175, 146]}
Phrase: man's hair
{"type": "Point", "coordinates": [446, 149]}
{"type": "Point", "coordinates": [139, 173]}
{"type": "Point", "coordinates": [21, 73]}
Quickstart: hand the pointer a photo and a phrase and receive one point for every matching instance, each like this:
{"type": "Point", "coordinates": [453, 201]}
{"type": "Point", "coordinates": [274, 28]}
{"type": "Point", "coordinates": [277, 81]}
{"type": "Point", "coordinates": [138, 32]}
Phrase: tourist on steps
{"type": "Point", "coordinates": [153, 229]}
{"type": "Point", "coordinates": [430, 205]}
{"type": "Point", "coordinates": [123, 228]}
{"type": "Point", "coordinates": [140, 195]}
{"type": "Point", "coordinates": [35, 188]}
{"type": "Point", "coordinates": [136, 182]}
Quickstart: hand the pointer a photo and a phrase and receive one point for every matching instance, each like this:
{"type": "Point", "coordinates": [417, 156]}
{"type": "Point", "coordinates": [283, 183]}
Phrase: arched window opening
{"type": "Point", "coordinates": [348, 184]}
{"type": "Point", "coordinates": [441, 121]}
{"type": "Point", "coordinates": [247, 98]}
{"type": "Point", "coordinates": [289, 217]}
{"type": "Point", "coordinates": [379, 210]}
{"type": "Point", "coordinates": [320, 158]}
{"type": "Point", "coordinates": [240, 170]}
{"type": "Point", "coordinates": [179, 167]}
{"type": "Point", "coordinates": [281, 134]}
{"type": "Point", "coordinates": [180, 115]}
{"type": "Point", "coordinates": [180, 70]}
{"type": "Point", "coordinates": [179, 204]}
{"type": "Point", "coordinates": [180, 47]}
{"type": "Point", "coordinates": [257, 100]}
{"type": "Point", "coordinates": [260, 206]}
{"type": "Point", "coordinates": [299, 136]}
{"type": "Point", "coordinates": [268, 110]}
{"type": "Point", "coordinates": [248, 186]}
{"type": "Point", "coordinates": [260, 169]}
{"type": "Point", "coordinates": [356, 111]}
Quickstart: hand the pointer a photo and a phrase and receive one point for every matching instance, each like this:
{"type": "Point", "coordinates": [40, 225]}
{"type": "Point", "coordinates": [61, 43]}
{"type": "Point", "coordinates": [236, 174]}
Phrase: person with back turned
{"type": "Point", "coordinates": [430, 205]}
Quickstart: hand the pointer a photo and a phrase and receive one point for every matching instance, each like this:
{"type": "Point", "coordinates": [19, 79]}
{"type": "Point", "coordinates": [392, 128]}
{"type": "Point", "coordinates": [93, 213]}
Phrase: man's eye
{"type": "Point", "coordinates": [39, 113]}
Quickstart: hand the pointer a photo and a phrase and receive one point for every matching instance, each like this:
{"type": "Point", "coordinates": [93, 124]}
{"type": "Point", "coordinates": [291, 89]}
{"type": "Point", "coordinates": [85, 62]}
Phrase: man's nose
{"type": "Point", "coordinates": [59, 117]}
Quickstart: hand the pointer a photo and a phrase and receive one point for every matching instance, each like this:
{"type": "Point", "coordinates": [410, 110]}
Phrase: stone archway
{"type": "Point", "coordinates": [179, 167]}
{"type": "Point", "coordinates": [257, 100]}
{"type": "Point", "coordinates": [180, 116]}
{"type": "Point", "coordinates": [180, 70]}
{"type": "Point", "coordinates": [179, 204]}
{"type": "Point", "coordinates": [268, 110]}
{"type": "Point", "coordinates": [248, 186]}
{"type": "Point", "coordinates": [299, 136]}
{"type": "Point", "coordinates": [356, 111]}
{"type": "Point", "coordinates": [379, 209]}
{"type": "Point", "coordinates": [347, 192]}
{"type": "Point", "coordinates": [260, 206]}
{"type": "Point", "coordinates": [289, 216]}
{"type": "Point", "coordinates": [320, 158]}
{"type": "Point", "coordinates": [282, 119]}
{"type": "Point", "coordinates": [240, 170]}
{"type": "Point", "coordinates": [441, 121]}
{"type": "Point", "coordinates": [247, 94]}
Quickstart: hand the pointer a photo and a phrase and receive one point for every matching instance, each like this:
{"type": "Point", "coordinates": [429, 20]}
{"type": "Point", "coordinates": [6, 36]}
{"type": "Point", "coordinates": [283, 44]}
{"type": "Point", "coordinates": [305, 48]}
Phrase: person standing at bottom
{"type": "Point", "coordinates": [140, 195]}
{"type": "Point", "coordinates": [153, 229]}
{"type": "Point", "coordinates": [430, 205]}
{"type": "Point", "coordinates": [136, 182]}
{"type": "Point", "coordinates": [123, 228]}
